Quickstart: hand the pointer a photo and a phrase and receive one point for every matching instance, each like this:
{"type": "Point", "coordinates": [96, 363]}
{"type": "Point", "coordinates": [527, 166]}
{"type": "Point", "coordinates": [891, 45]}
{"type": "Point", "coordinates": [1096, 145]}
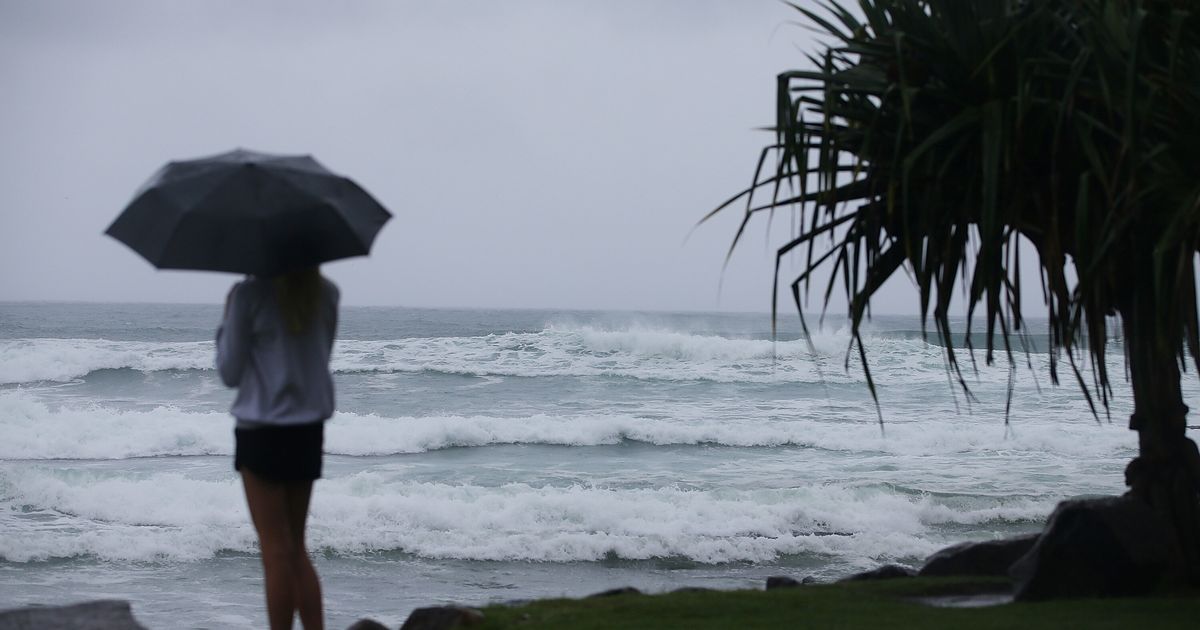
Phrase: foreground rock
{"type": "Point", "coordinates": [989, 558]}
{"type": "Point", "coordinates": [1098, 547]}
{"type": "Point", "coordinates": [885, 572]}
{"type": "Point", "coordinates": [613, 592]}
{"type": "Point", "coordinates": [97, 615]}
{"type": "Point", "coordinates": [367, 624]}
{"type": "Point", "coordinates": [442, 618]}
{"type": "Point", "coordinates": [782, 581]}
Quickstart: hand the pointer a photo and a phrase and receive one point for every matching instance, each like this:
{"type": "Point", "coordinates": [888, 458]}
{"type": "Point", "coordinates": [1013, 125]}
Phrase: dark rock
{"type": "Point", "coordinates": [991, 557]}
{"type": "Point", "coordinates": [367, 624]}
{"type": "Point", "coordinates": [442, 618]}
{"type": "Point", "coordinates": [808, 579]}
{"type": "Point", "coordinates": [624, 590]}
{"type": "Point", "coordinates": [782, 581]}
{"type": "Point", "coordinates": [694, 589]}
{"type": "Point", "coordinates": [98, 615]}
{"type": "Point", "coordinates": [885, 572]}
{"type": "Point", "coordinates": [1098, 547]}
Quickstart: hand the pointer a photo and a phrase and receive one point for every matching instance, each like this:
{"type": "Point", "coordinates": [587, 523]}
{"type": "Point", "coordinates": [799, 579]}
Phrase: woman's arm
{"type": "Point", "coordinates": [233, 338]}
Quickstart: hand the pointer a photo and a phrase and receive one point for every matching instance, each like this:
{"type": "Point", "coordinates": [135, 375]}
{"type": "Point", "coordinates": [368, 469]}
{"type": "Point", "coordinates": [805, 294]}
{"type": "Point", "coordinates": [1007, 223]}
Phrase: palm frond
{"type": "Point", "coordinates": [935, 136]}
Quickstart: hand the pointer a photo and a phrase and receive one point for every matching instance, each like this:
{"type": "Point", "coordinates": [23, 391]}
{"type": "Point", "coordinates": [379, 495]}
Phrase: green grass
{"type": "Point", "coordinates": [874, 605]}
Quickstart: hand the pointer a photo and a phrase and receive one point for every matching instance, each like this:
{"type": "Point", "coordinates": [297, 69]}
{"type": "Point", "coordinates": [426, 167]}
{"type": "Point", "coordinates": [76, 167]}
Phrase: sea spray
{"type": "Point", "coordinates": [65, 513]}
{"type": "Point", "coordinates": [553, 352]}
{"type": "Point", "coordinates": [33, 430]}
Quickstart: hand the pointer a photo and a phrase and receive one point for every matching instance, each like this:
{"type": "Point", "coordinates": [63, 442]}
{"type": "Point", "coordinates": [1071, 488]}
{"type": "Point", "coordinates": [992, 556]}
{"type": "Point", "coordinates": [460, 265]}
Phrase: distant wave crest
{"type": "Point", "coordinates": [32, 430]}
{"type": "Point", "coordinates": [573, 352]}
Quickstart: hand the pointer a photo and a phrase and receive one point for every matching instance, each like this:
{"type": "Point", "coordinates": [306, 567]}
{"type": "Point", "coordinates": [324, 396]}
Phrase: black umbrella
{"type": "Point", "coordinates": [248, 212]}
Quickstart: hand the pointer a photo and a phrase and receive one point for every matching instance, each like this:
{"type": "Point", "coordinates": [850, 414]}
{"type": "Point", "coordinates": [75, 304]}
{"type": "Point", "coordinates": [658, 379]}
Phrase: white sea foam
{"type": "Point", "coordinates": [631, 353]}
{"type": "Point", "coordinates": [583, 351]}
{"type": "Point", "coordinates": [54, 513]}
{"type": "Point", "coordinates": [31, 360]}
{"type": "Point", "coordinates": [34, 430]}
{"type": "Point", "coordinates": [58, 513]}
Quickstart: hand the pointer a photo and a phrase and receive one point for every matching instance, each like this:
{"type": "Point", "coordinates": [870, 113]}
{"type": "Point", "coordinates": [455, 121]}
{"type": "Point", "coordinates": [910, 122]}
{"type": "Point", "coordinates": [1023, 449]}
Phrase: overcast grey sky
{"type": "Point", "coordinates": [534, 153]}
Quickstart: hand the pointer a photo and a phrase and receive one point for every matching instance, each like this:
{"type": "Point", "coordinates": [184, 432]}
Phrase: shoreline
{"type": "Point", "coordinates": [915, 602]}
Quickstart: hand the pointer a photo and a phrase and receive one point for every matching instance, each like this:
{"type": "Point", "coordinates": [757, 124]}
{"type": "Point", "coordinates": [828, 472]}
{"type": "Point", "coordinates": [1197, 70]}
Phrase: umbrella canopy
{"type": "Point", "coordinates": [248, 212]}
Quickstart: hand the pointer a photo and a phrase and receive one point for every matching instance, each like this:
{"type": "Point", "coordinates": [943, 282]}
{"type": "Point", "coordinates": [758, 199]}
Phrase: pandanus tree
{"type": "Point", "coordinates": [957, 140]}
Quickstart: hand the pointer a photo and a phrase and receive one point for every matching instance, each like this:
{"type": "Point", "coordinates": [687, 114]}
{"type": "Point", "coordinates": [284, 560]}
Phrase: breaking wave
{"type": "Point", "coordinates": [52, 513]}
{"type": "Point", "coordinates": [572, 352]}
{"type": "Point", "coordinates": [33, 430]}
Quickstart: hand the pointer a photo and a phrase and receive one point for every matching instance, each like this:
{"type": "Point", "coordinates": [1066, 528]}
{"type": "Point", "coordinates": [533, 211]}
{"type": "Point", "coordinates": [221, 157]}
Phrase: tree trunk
{"type": "Point", "coordinates": [1166, 472]}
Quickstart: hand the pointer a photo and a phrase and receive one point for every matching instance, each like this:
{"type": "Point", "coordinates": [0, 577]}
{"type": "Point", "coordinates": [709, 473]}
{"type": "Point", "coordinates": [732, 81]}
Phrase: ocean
{"type": "Point", "coordinates": [483, 456]}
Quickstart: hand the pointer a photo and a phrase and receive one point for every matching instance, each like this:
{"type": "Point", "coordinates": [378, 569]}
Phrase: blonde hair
{"type": "Point", "coordinates": [298, 294]}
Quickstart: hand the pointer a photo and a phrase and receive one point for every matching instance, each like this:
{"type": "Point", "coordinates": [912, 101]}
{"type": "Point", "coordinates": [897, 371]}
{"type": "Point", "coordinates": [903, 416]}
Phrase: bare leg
{"type": "Point", "coordinates": [306, 586]}
{"type": "Point", "coordinates": [291, 581]}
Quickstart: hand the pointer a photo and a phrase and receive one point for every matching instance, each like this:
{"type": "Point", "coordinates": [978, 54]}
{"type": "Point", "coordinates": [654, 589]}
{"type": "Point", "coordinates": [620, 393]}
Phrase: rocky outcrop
{"type": "Point", "coordinates": [1098, 547]}
{"type": "Point", "coordinates": [885, 572]}
{"type": "Point", "coordinates": [442, 618]}
{"type": "Point", "coordinates": [367, 624]}
{"type": "Point", "coordinates": [97, 615]}
{"type": "Point", "coordinates": [782, 581]}
{"type": "Point", "coordinates": [612, 592]}
{"type": "Point", "coordinates": [988, 558]}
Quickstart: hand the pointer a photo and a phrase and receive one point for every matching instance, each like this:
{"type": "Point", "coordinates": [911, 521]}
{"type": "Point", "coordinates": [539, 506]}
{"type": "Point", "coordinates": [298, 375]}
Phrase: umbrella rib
{"type": "Point", "coordinates": [325, 201]}
{"type": "Point", "coordinates": [199, 202]}
{"type": "Point", "coordinates": [157, 181]}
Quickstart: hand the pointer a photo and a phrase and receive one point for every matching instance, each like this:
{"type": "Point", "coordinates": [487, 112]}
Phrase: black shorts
{"type": "Point", "coordinates": [287, 453]}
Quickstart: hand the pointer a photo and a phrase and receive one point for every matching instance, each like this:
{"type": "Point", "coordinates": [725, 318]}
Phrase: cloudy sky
{"type": "Point", "coordinates": [534, 153]}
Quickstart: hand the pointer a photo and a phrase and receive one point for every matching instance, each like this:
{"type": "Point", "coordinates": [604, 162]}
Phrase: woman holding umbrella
{"type": "Point", "coordinates": [274, 346]}
{"type": "Point", "coordinates": [274, 218]}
